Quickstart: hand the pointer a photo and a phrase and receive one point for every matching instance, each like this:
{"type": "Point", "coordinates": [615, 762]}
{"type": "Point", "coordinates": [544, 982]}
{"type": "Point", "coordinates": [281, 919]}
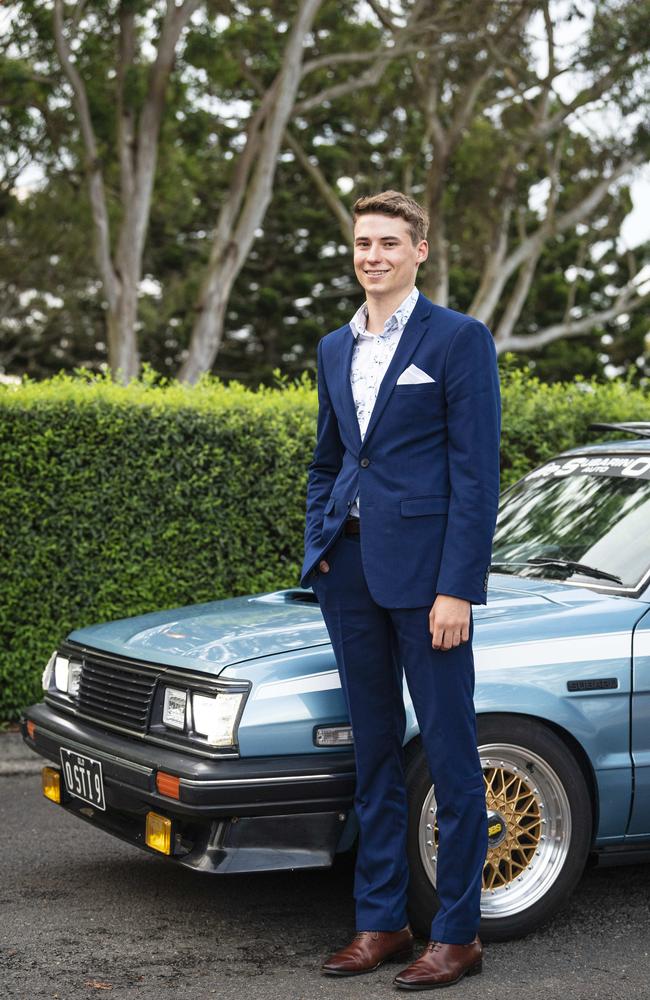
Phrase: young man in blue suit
{"type": "Point", "coordinates": [401, 507]}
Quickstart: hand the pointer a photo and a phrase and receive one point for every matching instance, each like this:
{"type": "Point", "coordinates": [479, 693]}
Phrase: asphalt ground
{"type": "Point", "coordinates": [84, 915]}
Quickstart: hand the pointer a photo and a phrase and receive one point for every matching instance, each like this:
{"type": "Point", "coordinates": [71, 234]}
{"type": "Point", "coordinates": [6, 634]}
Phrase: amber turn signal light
{"type": "Point", "coordinates": [168, 784]}
{"type": "Point", "coordinates": [158, 833]}
{"type": "Point", "coordinates": [31, 729]}
{"type": "Point", "coordinates": [51, 779]}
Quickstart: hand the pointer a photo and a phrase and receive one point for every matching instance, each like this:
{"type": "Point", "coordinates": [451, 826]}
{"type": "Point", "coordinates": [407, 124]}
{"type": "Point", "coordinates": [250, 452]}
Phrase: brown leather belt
{"type": "Point", "coordinates": [352, 526]}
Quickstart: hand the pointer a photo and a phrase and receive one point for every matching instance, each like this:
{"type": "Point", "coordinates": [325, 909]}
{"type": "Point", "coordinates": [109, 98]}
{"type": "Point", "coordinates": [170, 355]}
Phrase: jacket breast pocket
{"type": "Point", "coordinates": [414, 388]}
{"type": "Point", "coordinates": [415, 402]}
{"type": "Point", "coordinates": [419, 506]}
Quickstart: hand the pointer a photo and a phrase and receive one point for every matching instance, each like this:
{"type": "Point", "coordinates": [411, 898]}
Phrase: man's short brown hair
{"type": "Point", "coordinates": [397, 205]}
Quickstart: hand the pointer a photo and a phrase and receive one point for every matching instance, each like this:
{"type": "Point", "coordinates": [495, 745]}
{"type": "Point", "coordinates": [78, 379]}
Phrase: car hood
{"type": "Point", "coordinates": [210, 637]}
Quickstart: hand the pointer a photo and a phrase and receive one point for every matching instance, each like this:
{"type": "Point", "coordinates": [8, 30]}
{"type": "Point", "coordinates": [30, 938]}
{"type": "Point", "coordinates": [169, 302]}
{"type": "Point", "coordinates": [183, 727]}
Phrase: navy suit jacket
{"type": "Point", "coordinates": [427, 470]}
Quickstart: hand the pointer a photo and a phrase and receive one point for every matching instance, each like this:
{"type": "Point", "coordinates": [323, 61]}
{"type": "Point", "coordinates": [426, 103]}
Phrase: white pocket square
{"type": "Point", "coordinates": [413, 376]}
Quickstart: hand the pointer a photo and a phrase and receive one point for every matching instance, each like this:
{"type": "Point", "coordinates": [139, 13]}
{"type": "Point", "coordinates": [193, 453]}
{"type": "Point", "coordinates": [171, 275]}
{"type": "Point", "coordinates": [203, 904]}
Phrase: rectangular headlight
{"type": "Point", "coordinates": [216, 717]}
{"type": "Point", "coordinates": [174, 708]}
{"type": "Point", "coordinates": [67, 675]}
{"type": "Point", "coordinates": [61, 667]}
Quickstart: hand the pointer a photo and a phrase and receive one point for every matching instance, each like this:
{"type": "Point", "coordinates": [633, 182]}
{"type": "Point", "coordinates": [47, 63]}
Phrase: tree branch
{"type": "Point", "coordinates": [78, 12]}
{"type": "Point", "coordinates": [255, 184]}
{"type": "Point", "coordinates": [527, 271]}
{"type": "Point", "coordinates": [466, 106]}
{"type": "Point", "coordinates": [125, 115]}
{"type": "Point", "coordinates": [382, 15]}
{"type": "Point", "coordinates": [327, 192]}
{"type": "Point", "coordinates": [341, 58]}
{"type": "Point", "coordinates": [175, 20]}
{"type": "Point", "coordinates": [575, 328]}
{"type": "Point", "coordinates": [286, 85]}
{"type": "Point", "coordinates": [547, 83]}
{"type": "Point", "coordinates": [573, 287]}
{"type": "Point", "coordinates": [486, 300]}
{"type": "Point", "coordinates": [584, 97]}
{"type": "Point", "coordinates": [313, 171]}
{"type": "Point", "coordinates": [231, 205]}
{"type": "Point", "coordinates": [93, 164]}
{"type": "Point", "coordinates": [373, 74]}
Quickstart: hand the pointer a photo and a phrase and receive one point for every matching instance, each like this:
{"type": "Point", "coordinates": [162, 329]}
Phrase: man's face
{"type": "Point", "coordinates": [385, 260]}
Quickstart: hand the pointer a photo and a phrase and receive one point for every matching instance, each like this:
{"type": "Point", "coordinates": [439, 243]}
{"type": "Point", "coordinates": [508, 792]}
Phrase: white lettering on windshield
{"type": "Point", "coordinates": [636, 467]}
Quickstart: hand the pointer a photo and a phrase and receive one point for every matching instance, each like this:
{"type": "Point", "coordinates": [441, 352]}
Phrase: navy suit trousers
{"type": "Point", "coordinates": [373, 645]}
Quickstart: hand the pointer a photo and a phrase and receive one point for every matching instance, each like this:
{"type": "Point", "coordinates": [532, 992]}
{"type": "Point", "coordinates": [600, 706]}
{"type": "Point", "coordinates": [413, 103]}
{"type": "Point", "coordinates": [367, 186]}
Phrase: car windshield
{"type": "Point", "coordinates": [584, 518]}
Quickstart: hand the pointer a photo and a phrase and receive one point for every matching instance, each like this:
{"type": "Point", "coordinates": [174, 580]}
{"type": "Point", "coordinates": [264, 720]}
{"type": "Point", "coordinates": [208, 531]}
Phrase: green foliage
{"type": "Point", "coordinates": [121, 500]}
{"type": "Point", "coordinates": [118, 501]}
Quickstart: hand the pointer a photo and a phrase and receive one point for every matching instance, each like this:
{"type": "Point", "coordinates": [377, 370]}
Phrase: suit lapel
{"type": "Point", "coordinates": [347, 399]}
{"type": "Point", "coordinates": [411, 336]}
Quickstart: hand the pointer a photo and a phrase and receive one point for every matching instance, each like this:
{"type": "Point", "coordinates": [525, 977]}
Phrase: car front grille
{"type": "Point", "coordinates": [116, 692]}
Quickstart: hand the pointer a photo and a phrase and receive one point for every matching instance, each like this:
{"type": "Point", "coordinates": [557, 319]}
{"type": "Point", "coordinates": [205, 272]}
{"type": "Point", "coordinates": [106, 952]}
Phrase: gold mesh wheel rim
{"type": "Point", "coordinates": [509, 795]}
{"type": "Point", "coordinates": [531, 799]}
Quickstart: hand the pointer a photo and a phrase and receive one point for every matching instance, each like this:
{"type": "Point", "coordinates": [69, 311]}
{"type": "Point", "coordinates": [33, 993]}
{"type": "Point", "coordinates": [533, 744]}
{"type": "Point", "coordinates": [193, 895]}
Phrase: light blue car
{"type": "Point", "coordinates": [217, 734]}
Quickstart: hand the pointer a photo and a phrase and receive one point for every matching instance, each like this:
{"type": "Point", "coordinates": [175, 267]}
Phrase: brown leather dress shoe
{"type": "Point", "coordinates": [442, 965]}
{"type": "Point", "coordinates": [368, 950]}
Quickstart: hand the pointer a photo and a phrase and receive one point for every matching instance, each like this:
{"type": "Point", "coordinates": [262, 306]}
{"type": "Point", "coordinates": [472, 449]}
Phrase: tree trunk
{"type": "Point", "coordinates": [137, 149]}
{"type": "Point", "coordinates": [123, 356]}
{"type": "Point", "coordinates": [213, 302]}
{"type": "Point", "coordinates": [247, 201]}
{"type": "Point", "coordinates": [436, 284]}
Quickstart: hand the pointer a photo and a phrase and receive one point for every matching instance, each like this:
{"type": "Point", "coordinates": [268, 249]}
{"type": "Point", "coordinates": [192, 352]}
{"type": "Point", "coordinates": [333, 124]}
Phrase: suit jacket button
{"type": "Point", "coordinates": [364, 463]}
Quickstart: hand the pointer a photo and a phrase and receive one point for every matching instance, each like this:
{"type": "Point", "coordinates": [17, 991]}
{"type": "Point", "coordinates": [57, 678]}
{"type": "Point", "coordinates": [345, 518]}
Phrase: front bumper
{"type": "Point", "coordinates": [232, 815]}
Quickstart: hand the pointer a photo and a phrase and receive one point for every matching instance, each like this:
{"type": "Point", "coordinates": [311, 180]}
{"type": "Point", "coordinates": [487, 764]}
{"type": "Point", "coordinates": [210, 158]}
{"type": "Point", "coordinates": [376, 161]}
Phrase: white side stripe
{"type": "Point", "coordinates": [536, 653]}
{"type": "Point", "coordinates": [550, 652]}
{"type": "Point", "coordinates": [326, 680]}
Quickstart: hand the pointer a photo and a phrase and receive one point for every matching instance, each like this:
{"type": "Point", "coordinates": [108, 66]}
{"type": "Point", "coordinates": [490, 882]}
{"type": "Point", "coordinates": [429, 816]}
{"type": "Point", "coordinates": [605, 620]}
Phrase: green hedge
{"type": "Point", "coordinates": [116, 501]}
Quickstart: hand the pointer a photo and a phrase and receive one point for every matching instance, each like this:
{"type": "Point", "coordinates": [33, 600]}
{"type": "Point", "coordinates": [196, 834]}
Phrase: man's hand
{"type": "Point", "coordinates": [449, 621]}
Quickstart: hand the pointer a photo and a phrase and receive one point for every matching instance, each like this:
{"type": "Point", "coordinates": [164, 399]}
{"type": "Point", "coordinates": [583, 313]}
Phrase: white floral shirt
{"type": "Point", "coordinates": [371, 356]}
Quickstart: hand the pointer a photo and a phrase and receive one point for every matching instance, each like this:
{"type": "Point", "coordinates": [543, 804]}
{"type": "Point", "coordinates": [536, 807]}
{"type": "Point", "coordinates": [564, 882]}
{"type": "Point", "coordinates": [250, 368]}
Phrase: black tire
{"type": "Point", "coordinates": [533, 757]}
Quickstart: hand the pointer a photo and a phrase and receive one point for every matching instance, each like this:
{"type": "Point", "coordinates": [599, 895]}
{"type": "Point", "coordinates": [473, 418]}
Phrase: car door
{"type": "Point", "coordinates": [640, 818]}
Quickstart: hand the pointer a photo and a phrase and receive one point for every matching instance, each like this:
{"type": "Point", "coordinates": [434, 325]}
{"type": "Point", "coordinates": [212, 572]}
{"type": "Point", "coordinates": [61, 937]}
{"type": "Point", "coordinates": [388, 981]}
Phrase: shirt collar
{"type": "Point", "coordinates": [397, 321]}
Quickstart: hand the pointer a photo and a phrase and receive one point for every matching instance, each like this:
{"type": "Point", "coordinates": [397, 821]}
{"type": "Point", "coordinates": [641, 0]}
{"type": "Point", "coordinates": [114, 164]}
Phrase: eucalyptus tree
{"type": "Point", "coordinates": [135, 70]}
{"type": "Point", "coordinates": [552, 182]}
{"type": "Point", "coordinates": [116, 63]}
{"type": "Point", "coordinates": [497, 139]}
{"type": "Point", "coordinates": [53, 306]}
{"type": "Point", "coordinates": [139, 92]}
{"type": "Point", "coordinates": [312, 74]}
